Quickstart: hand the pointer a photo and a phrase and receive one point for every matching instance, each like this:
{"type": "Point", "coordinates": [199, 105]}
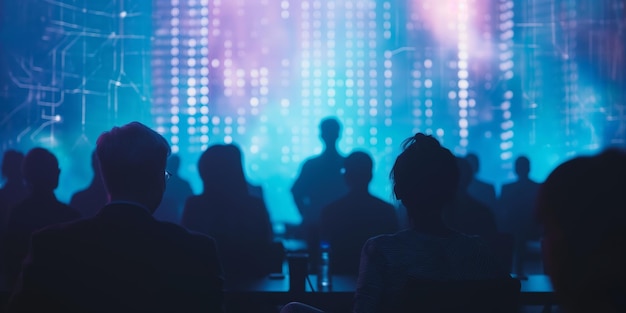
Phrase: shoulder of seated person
{"type": "Point", "coordinates": [193, 236]}
{"type": "Point", "coordinates": [72, 229]}
{"type": "Point", "coordinates": [386, 238]}
{"type": "Point", "coordinates": [178, 230]}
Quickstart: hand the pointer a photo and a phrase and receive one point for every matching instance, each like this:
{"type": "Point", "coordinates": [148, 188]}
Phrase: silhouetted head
{"type": "Point", "coordinates": [522, 167]}
{"type": "Point", "coordinates": [41, 170]}
{"type": "Point", "coordinates": [12, 165]}
{"type": "Point", "coordinates": [465, 173]}
{"type": "Point", "coordinates": [173, 164]}
{"type": "Point", "coordinates": [474, 162]}
{"type": "Point", "coordinates": [221, 171]}
{"type": "Point", "coordinates": [425, 176]}
{"type": "Point", "coordinates": [358, 170]}
{"type": "Point", "coordinates": [582, 206]}
{"type": "Point", "coordinates": [132, 160]}
{"type": "Point", "coordinates": [329, 131]}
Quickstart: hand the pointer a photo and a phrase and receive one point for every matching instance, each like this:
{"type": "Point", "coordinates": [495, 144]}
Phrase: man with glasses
{"type": "Point", "coordinates": [123, 260]}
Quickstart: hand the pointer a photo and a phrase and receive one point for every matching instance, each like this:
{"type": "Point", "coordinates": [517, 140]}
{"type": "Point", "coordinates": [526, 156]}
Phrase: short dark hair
{"type": "Point", "coordinates": [41, 169]}
{"type": "Point", "coordinates": [129, 155]}
{"type": "Point", "coordinates": [359, 166]}
{"type": "Point", "coordinates": [221, 170]}
{"type": "Point", "coordinates": [425, 174]}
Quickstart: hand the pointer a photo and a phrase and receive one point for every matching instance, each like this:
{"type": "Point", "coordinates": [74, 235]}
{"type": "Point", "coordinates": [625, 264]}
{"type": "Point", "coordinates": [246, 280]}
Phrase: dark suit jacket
{"type": "Point", "coordinates": [121, 260]}
{"type": "Point", "coordinates": [37, 211]}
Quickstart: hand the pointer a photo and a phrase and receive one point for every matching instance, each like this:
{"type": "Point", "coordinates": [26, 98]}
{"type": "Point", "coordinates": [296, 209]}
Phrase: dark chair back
{"type": "Point", "coordinates": [467, 296]}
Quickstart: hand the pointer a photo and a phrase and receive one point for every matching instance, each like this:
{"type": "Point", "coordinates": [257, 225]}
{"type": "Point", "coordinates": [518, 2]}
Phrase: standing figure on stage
{"type": "Point", "coordinates": [319, 183]}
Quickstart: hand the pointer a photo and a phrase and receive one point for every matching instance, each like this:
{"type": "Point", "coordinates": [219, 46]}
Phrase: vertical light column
{"type": "Point", "coordinates": [181, 96]}
{"type": "Point", "coordinates": [428, 95]}
{"type": "Point", "coordinates": [574, 99]}
{"type": "Point", "coordinates": [202, 108]}
{"type": "Point", "coordinates": [175, 79]}
{"type": "Point", "coordinates": [506, 46]}
{"type": "Point", "coordinates": [191, 60]}
{"type": "Point", "coordinates": [371, 75]}
{"type": "Point", "coordinates": [417, 76]}
{"type": "Point", "coordinates": [331, 54]}
{"type": "Point", "coordinates": [350, 67]}
{"type": "Point", "coordinates": [360, 11]}
{"type": "Point", "coordinates": [463, 75]}
{"type": "Point", "coordinates": [307, 58]}
{"type": "Point", "coordinates": [317, 95]}
{"type": "Point", "coordinates": [288, 147]}
{"type": "Point", "coordinates": [387, 86]}
{"type": "Point", "coordinates": [416, 85]}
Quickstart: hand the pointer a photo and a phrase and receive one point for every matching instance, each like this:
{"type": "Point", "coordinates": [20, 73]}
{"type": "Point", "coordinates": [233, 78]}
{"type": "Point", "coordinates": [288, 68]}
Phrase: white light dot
{"type": "Point", "coordinates": [463, 123]}
{"type": "Point", "coordinates": [463, 84]}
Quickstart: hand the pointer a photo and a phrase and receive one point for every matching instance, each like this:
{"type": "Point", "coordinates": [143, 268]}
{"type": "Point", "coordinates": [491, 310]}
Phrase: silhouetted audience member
{"type": "Point", "coordinates": [14, 190]}
{"type": "Point", "coordinates": [89, 200]}
{"type": "Point", "coordinates": [38, 210]}
{"type": "Point", "coordinates": [582, 207]}
{"type": "Point", "coordinates": [176, 193]}
{"type": "Point", "coordinates": [425, 179]}
{"type": "Point", "coordinates": [319, 183]}
{"type": "Point", "coordinates": [516, 204]}
{"type": "Point", "coordinates": [469, 216]}
{"type": "Point", "coordinates": [226, 211]}
{"type": "Point", "coordinates": [122, 260]}
{"type": "Point", "coordinates": [480, 190]}
{"type": "Point", "coordinates": [348, 222]}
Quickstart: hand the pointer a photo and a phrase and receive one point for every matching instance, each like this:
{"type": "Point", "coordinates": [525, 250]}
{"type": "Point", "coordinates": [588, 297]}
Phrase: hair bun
{"type": "Point", "coordinates": [420, 140]}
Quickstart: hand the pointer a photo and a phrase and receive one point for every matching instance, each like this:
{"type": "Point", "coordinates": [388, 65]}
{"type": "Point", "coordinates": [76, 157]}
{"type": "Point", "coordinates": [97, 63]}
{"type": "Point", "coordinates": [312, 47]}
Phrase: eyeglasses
{"type": "Point", "coordinates": [168, 175]}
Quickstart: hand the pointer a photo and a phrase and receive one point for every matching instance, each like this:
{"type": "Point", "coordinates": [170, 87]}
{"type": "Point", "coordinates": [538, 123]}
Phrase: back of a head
{"type": "Point", "coordinates": [329, 130]}
{"type": "Point", "coordinates": [425, 174]}
{"type": "Point", "coordinates": [41, 170]}
{"type": "Point", "coordinates": [221, 170]}
{"type": "Point", "coordinates": [358, 169]}
{"type": "Point", "coordinates": [522, 167]}
{"type": "Point", "coordinates": [12, 165]}
{"type": "Point", "coordinates": [582, 206]}
{"type": "Point", "coordinates": [132, 159]}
